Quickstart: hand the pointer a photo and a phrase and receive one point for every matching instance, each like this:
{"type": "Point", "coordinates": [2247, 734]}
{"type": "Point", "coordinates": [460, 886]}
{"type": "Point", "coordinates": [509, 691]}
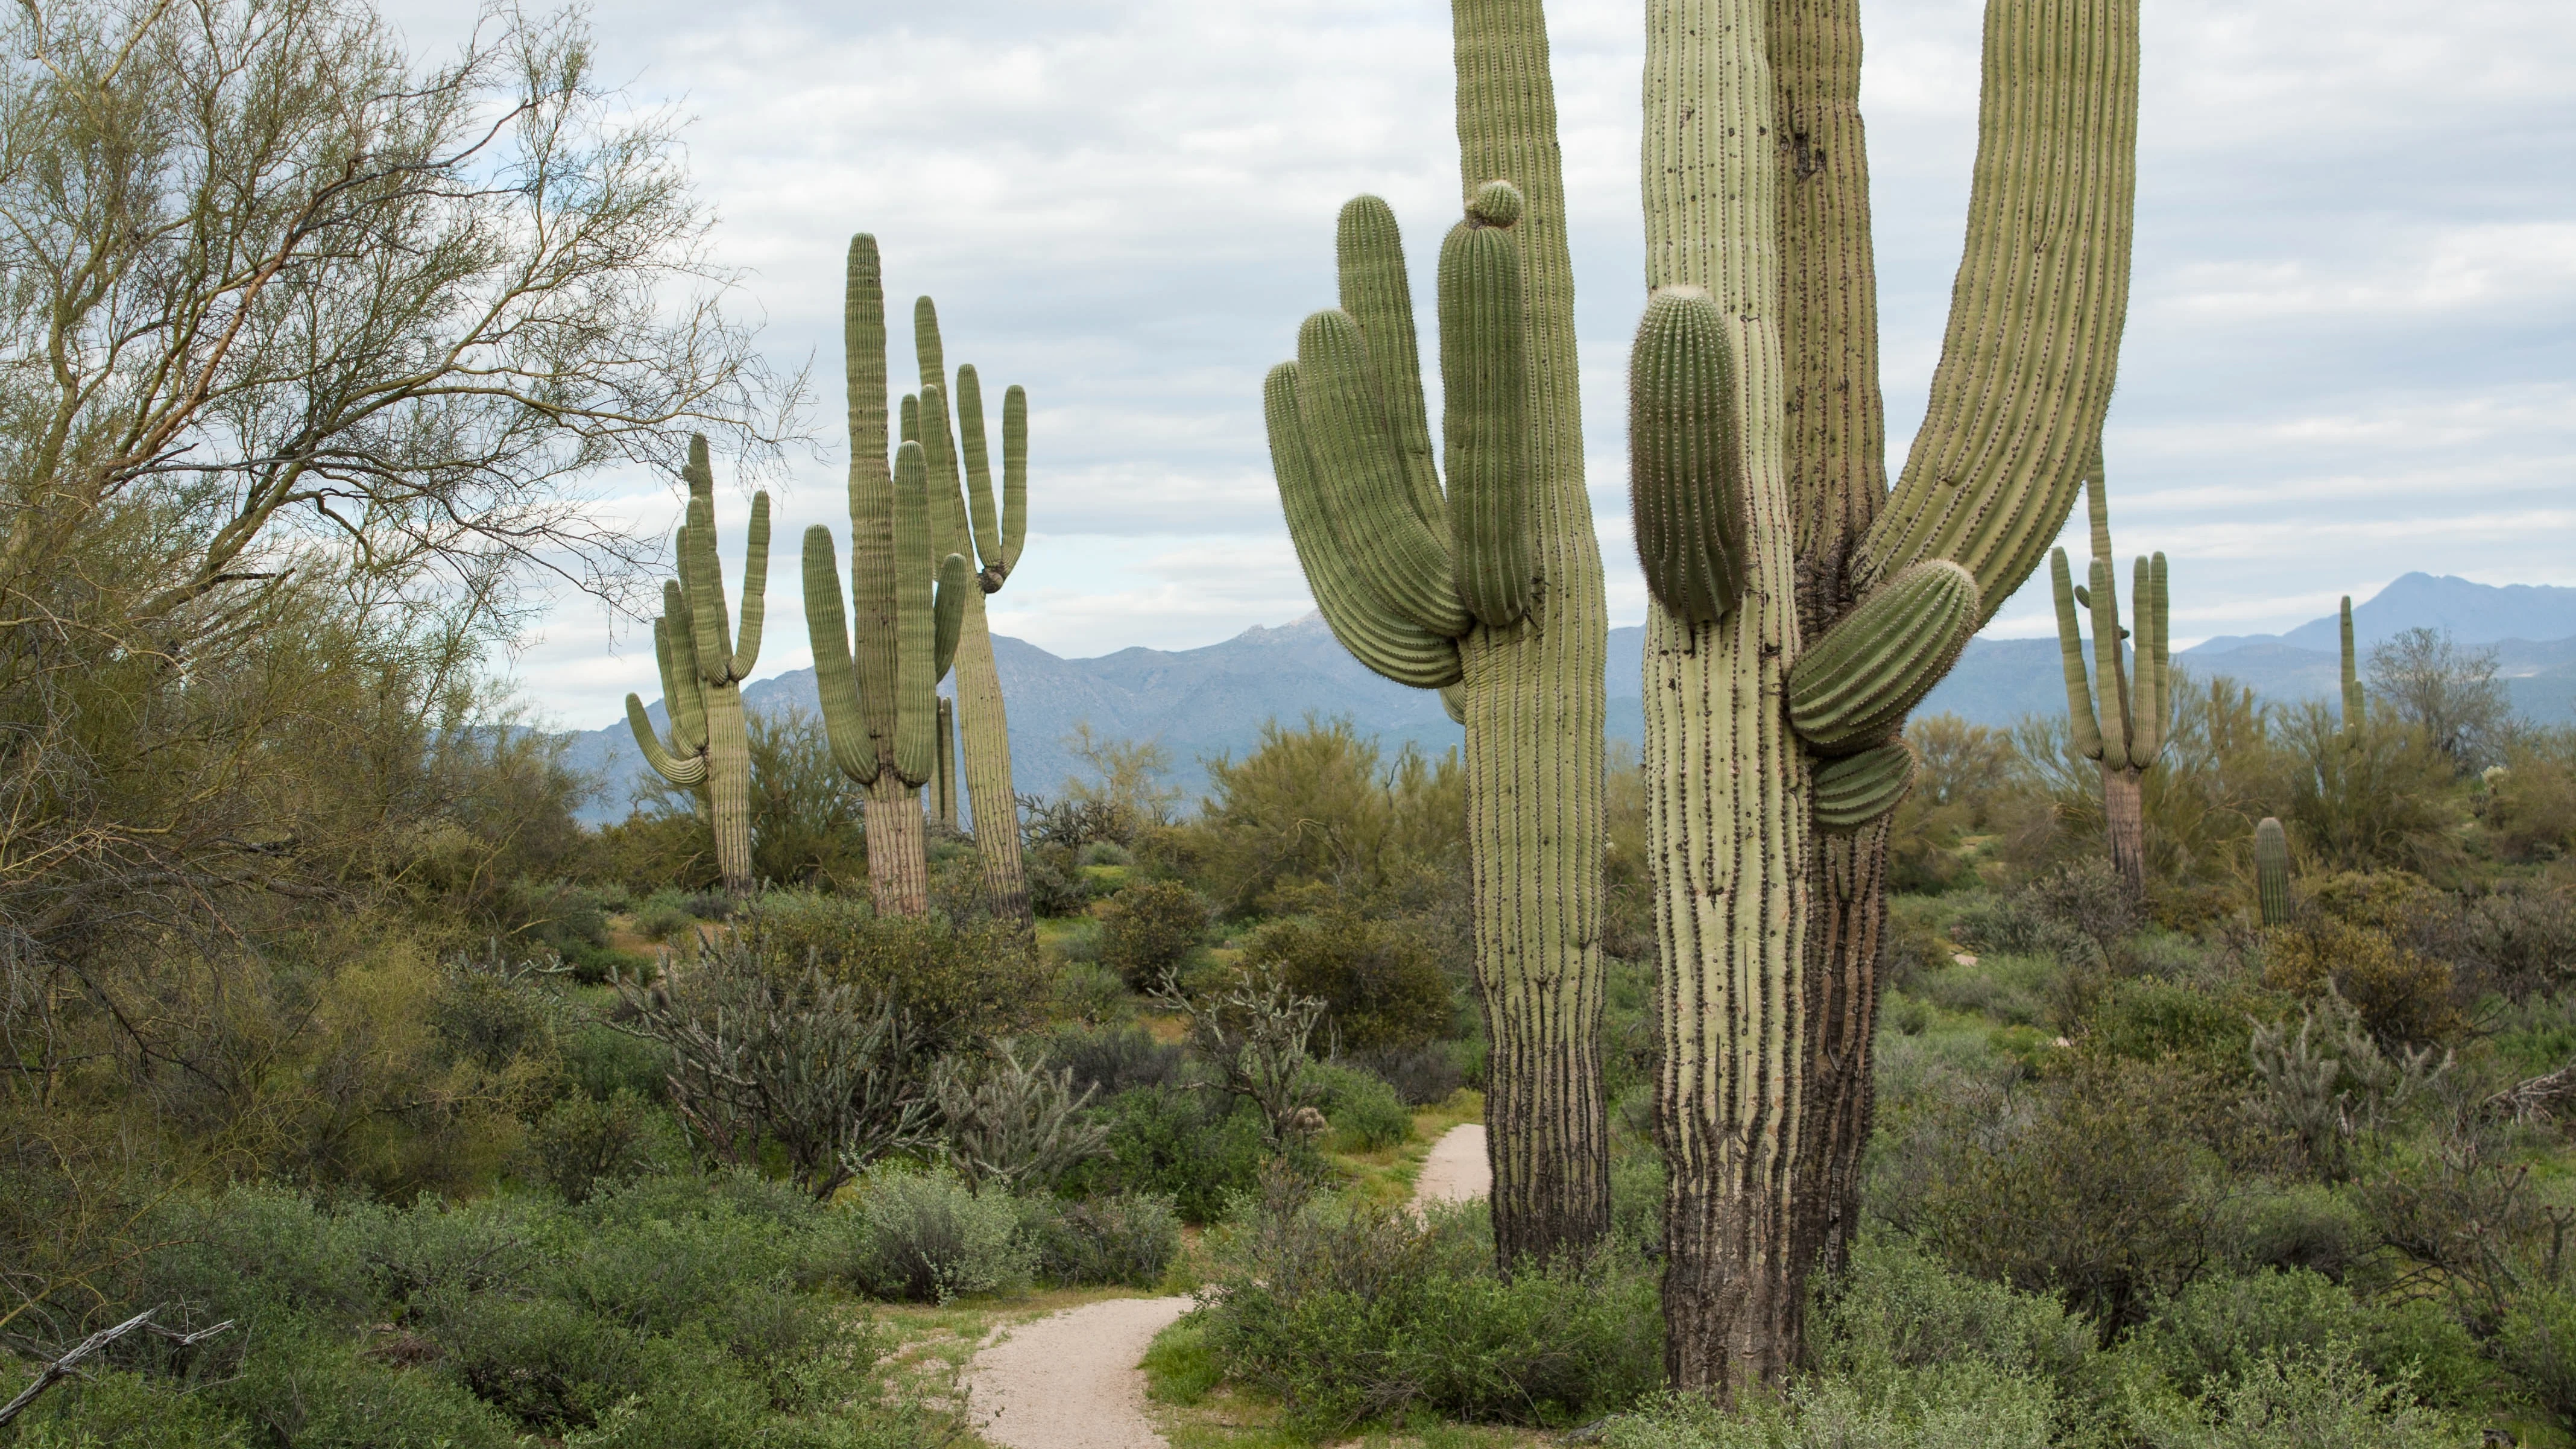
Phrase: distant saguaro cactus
{"type": "Point", "coordinates": [879, 684]}
{"type": "Point", "coordinates": [2125, 731]}
{"type": "Point", "coordinates": [965, 522]}
{"type": "Point", "coordinates": [943, 790]}
{"type": "Point", "coordinates": [2355, 700]}
{"type": "Point", "coordinates": [703, 666]}
{"type": "Point", "coordinates": [2272, 871]}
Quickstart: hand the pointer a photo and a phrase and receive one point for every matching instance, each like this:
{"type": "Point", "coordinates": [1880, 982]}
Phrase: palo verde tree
{"type": "Point", "coordinates": [2114, 719]}
{"type": "Point", "coordinates": [1800, 608]}
{"type": "Point", "coordinates": [1490, 592]}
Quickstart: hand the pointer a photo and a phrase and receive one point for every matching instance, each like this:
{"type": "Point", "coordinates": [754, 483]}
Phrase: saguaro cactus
{"type": "Point", "coordinates": [703, 666]}
{"type": "Point", "coordinates": [2126, 730]}
{"type": "Point", "coordinates": [1767, 729]}
{"type": "Point", "coordinates": [2272, 871]}
{"type": "Point", "coordinates": [1490, 592]}
{"type": "Point", "coordinates": [943, 791]}
{"type": "Point", "coordinates": [880, 700]}
{"type": "Point", "coordinates": [2355, 700]}
{"type": "Point", "coordinates": [964, 521]}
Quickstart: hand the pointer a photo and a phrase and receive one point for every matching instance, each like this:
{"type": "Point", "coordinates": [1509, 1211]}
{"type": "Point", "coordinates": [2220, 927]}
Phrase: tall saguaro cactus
{"type": "Point", "coordinates": [1490, 591]}
{"type": "Point", "coordinates": [703, 666]}
{"type": "Point", "coordinates": [2125, 730]}
{"type": "Point", "coordinates": [2355, 700]}
{"type": "Point", "coordinates": [965, 522]}
{"type": "Point", "coordinates": [1757, 454]}
{"type": "Point", "coordinates": [879, 684]}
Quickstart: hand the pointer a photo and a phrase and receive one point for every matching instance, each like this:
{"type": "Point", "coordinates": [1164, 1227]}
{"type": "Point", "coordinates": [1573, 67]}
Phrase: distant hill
{"type": "Point", "coordinates": [1200, 703]}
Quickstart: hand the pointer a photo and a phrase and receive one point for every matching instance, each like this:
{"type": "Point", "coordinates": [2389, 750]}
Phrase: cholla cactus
{"type": "Point", "coordinates": [703, 666]}
{"type": "Point", "coordinates": [2126, 731]}
{"type": "Point", "coordinates": [2272, 871]}
{"type": "Point", "coordinates": [1012, 1126]}
{"type": "Point", "coordinates": [879, 685]}
{"type": "Point", "coordinates": [964, 521]}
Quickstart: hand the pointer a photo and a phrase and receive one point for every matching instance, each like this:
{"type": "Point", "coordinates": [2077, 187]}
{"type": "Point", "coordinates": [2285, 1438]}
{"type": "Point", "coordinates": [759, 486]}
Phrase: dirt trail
{"type": "Point", "coordinates": [1070, 1380]}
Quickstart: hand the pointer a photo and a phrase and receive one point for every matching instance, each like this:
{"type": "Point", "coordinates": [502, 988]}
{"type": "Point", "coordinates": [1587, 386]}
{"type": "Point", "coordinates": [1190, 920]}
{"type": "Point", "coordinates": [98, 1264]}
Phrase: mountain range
{"type": "Point", "coordinates": [1204, 703]}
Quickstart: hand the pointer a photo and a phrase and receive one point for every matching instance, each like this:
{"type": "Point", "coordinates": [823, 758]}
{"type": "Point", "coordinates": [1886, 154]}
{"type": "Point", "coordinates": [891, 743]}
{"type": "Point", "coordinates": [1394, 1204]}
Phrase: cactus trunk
{"type": "Point", "coordinates": [2124, 820]}
{"type": "Point", "coordinates": [2272, 872]}
{"type": "Point", "coordinates": [944, 789]}
{"type": "Point", "coordinates": [898, 853]}
{"type": "Point", "coordinates": [984, 743]}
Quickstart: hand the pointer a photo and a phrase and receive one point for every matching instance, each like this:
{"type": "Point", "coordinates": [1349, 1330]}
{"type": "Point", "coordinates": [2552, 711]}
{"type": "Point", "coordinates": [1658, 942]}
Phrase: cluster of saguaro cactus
{"type": "Point", "coordinates": [703, 666]}
{"type": "Point", "coordinates": [1489, 590]}
{"type": "Point", "coordinates": [965, 522]}
{"type": "Point", "coordinates": [1799, 606]}
{"type": "Point", "coordinates": [2126, 731]}
{"type": "Point", "coordinates": [880, 698]}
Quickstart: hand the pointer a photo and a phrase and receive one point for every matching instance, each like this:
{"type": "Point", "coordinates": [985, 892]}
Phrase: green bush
{"type": "Point", "coordinates": [920, 1237]}
{"type": "Point", "coordinates": [1197, 1148]}
{"type": "Point", "coordinates": [962, 985]}
{"type": "Point", "coordinates": [1127, 1237]}
{"type": "Point", "coordinates": [1380, 983]}
{"type": "Point", "coordinates": [2324, 1400]}
{"type": "Point", "coordinates": [1364, 1111]}
{"type": "Point", "coordinates": [584, 1144]}
{"type": "Point", "coordinates": [1972, 1407]}
{"type": "Point", "coordinates": [2225, 1329]}
{"type": "Point", "coordinates": [113, 1410]}
{"type": "Point", "coordinates": [1149, 929]}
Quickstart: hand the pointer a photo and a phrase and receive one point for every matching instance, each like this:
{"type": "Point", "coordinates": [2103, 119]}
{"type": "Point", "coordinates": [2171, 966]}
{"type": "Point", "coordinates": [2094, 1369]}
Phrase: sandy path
{"type": "Point", "coordinates": [1070, 1380]}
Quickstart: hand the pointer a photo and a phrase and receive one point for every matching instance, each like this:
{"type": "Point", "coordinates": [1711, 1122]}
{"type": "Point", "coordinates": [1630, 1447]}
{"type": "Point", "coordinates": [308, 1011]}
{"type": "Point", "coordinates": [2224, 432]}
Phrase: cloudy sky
{"type": "Point", "coordinates": [2351, 349]}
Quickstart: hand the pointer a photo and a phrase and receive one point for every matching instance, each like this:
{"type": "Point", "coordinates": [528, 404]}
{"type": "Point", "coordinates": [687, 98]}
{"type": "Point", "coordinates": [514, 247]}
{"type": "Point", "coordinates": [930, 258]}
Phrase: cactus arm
{"type": "Point", "coordinates": [948, 613]}
{"type": "Point", "coordinates": [1853, 791]}
{"type": "Point", "coordinates": [1686, 494]}
{"type": "Point", "coordinates": [704, 579]}
{"type": "Point", "coordinates": [684, 690]}
{"type": "Point", "coordinates": [755, 588]}
{"type": "Point", "coordinates": [1370, 251]}
{"type": "Point", "coordinates": [971, 448]}
{"type": "Point", "coordinates": [2032, 343]}
{"type": "Point", "coordinates": [2081, 721]}
{"type": "Point", "coordinates": [845, 716]}
{"type": "Point", "coordinates": [910, 425]}
{"type": "Point", "coordinates": [915, 625]}
{"type": "Point", "coordinates": [1851, 688]}
{"type": "Point", "coordinates": [1386, 642]}
{"type": "Point", "coordinates": [1484, 425]}
{"type": "Point", "coordinates": [2150, 697]}
{"type": "Point", "coordinates": [1453, 703]}
{"type": "Point", "coordinates": [1015, 476]}
{"type": "Point", "coordinates": [1353, 456]}
{"type": "Point", "coordinates": [688, 772]}
{"type": "Point", "coordinates": [2110, 680]}
{"type": "Point", "coordinates": [872, 604]}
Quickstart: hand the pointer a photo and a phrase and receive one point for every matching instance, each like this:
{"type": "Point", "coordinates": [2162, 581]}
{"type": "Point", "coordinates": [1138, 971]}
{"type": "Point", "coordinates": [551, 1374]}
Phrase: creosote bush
{"type": "Point", "coordinates": [1150, 929]}
{"type": "Point", "coordinates": [1380, 983]}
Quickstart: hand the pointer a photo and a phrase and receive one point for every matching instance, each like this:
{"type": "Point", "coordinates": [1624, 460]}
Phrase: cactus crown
{"type": "Point", "coordinates": [961, 471]}
{"type": "Point", "coordinates": [1401, 568]}
{"type": "Point", "coordinates": [2126, 731]}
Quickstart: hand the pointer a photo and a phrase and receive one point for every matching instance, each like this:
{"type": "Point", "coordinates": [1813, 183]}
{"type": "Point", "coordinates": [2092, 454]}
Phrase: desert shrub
{"type": "Point", "coordinates": [2522, 941]}
{"type": "Point", "coordinates": [1149, 929]}
{"type": "Point", "coordinates": [1380, 983]}
{"type": "Point", "coordinates": [2402, 996]}
{"type": "Point", "coordinates": [1896, 1309]}
{"type": "Point", "coordinates": [1363, 1110]}
{"type": "Point", "coordinates": [2307, 1225]}
{"type": "Point", "coordinates": [1057, 886]}
{"type": "Point", "coordinates": [1422, 1076]}
{"type": "Point", "coordinates": [663, 915]}
{"type": "Point", "coordinates": [599, 1060]}
{"type": "Point", "coordinates": [2387, 801]}
{"type": "Point", "coordinates": [1969, 1408]}
{"type": "Point", "coordinates": [586, 1143]}
{"type": "Point", "coordinates": [2537, 1340]}
{"type": "Point", "coordinates": [923, 1237]}
{"type": "Point", "coordinates": [2227, 1327]}
{"type": "Point", "coordinates": [2322, 1400]}
{"type": "Point", "coordinates": [132, 1411]}
{"type": "Point", "coordinates": [2327, 1082]}
{"type": "Point", "coordinates": [2149, 1020]}
{"type": "Point", "coordinates": [2013, 989]}
{"type": "Point", "coordinates": [1116, 1059]}
{"type": "Point", "coordinates": [2529, 806]}
{"type": "Point", "coordinates": [1196, 1148]}
{"type": "Point", "coordinates": [1368, 1314]}
{"type": "Point", "coordinates": [1127, 1237]}
{"type": "Point", "coordinates": [961, 984]}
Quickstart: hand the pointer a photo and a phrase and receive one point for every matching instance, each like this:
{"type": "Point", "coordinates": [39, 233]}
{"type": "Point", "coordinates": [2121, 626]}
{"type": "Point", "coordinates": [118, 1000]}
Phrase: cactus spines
{"type": "Point", "coordinates": [2272, 872]}
{"type": "Point", "coordinates": [1686, 493]}
{"type": "Point", "coordinates": [2113, 718]}
{"type": "Point", "coordinates": [703, 666]}
{"type": "Point", "coordinates": [1857, 789]}
{"type": "Point", "coordinates": [1768, 921]}
{"type": "Point", "coordinates": [2355, 701]}
{"type": "Point", "coordinates": [1491, 592]}
{"type": "Point", "coordinates": [1848, 691]}
{"type": "Point", "coordinates": [965, 522]}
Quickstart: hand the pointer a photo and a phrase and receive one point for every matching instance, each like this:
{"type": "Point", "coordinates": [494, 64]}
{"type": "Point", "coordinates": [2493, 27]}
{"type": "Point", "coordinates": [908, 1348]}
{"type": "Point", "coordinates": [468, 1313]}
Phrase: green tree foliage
{"type": "Point", "coordinates": [1320, 805]}
{"type": "Point", "coordinates": [1381, 985]}
{"type": "Point", "coordinates": [1150, 929]}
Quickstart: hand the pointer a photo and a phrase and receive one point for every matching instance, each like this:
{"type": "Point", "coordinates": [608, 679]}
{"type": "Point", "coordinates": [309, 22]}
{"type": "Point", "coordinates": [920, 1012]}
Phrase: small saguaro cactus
{"type": "Point", "coordinates": [2355, 701]}
{"type": "Point", "coordinates": [2125, 732]}
{"type": "Point", "coordinates": [878, 674]}
{"type": "Point", "coordinates": [703, 666]}
{"type": "Point", "coordinates": [965, 522]}
{"type": "Point", "coordinates": [2272, 871]}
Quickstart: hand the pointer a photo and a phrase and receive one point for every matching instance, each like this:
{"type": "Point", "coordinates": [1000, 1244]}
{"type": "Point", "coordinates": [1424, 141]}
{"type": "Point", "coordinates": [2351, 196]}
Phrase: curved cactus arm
{"type": "Point", "coordinates": [1405, 565]}
{"type": "Point", "coordinates": [2150, 695]}
{"type": "Point", "coordinates": [683, 687]}
{"type": "Point", "coordinates": [687, 772]}
{"type": "Point", "coordinates": [1856, 790]}
{"type": "Point", "coordinates": [2272, 871]}
{"type": "Point", "coordinates": [845, 715]}
{"type": "Point", "coordinates": [1856, 684]}
{"type": "Point", "coordinates": [2081, 721]}
{"type": "Point", "coordinates": [948, 613]}
{"type": "Point", "coordinates": [703, 577]}
{"type": "Point", "coordinates": [1370, 251]}
{"type": "Point", "coordinates": [755, 588]}
{"type": "Point", "coordinates": [1686, 494]}
{"type": "Point", "coordinates": [1386, 642]}
{"type": "Point", "coordinates": [1453, 702]}
{"type": "Point", "coordinates": [915, 709]}
{"type": "Point", "coordinates": [1015, 476]}
{"type": "Point", "coordinates": [980, 519]}
{"type": "Point", "coordinates": [2110, 673]}
{"type": "Point", "coordinates": [1485, 435]}
{"type": "Point", "coordinates": [2355, 699]}
{"type": "Point", "coordinates": [2014, 420]}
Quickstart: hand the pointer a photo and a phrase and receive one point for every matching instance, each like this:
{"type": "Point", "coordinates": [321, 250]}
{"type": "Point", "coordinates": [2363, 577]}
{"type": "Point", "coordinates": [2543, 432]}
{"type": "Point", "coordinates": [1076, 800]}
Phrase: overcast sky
{"type": "Point", "coordinates": [2351, 347]}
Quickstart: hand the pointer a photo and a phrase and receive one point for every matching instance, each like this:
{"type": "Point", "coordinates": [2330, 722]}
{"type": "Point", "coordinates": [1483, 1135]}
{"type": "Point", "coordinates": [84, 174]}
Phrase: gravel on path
{"type": "Point", "coordinates": [1070, 1381]}
{"type": "Point", "coordinates": [1457, 1169]}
